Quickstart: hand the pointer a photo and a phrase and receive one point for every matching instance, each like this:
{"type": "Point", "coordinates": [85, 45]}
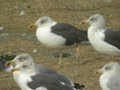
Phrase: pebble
{"type": "Point", "coordinates": [34, 50]}
{"type": "Point", "coordinates": [1, 28]}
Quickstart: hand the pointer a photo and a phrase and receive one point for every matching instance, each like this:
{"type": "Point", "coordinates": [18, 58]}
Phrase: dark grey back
{"type": "Point", "coordinates": [71, 33]}
{"type": "Point", "coordinates": [50, 71]}
{"type": "Point", "coordinates": [51, 82]}
{"type": "Point", "coordinates": [112, 37]}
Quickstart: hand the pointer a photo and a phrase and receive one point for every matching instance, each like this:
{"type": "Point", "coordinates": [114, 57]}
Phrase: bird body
{"type": "Point", "coordinates": [58, 35]}
{"type": "Point", "coordinates": [71, 34]}
{"type": "Point", "coordinates": [97, 39]}
{"type": "Point", "coordinates": [49, 39]}
{"type": "Point", "coordinates": [104, 81]}
{"type": "Point", "coordinates": [31, 76]}
{"type": "Point", "coordinates": [22, 79]}
{"type": "Point", "coordinates": [54, 34]}
{"type": "Point", "coordinates": [48, 70]}
{"type": "Point", "coordinates": [110, 80]}
{"type": "Point", "coordinates": [101, 38]}
{"type": "Point", "coordinates": [49, 81]}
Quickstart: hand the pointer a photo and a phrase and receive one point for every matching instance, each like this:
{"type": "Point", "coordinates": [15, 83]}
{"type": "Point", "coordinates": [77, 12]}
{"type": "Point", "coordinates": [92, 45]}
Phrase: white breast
{"type": "Point", "coordinates": [42, 88]}
{"type": "Point", "coordinates": [46, 37]}
{"type": "Point", "coordinates": [104, 79]}
{"type": "Point", "coordinates": [22, 80]}
{"type": "Point", "coordinates": [96, 38]}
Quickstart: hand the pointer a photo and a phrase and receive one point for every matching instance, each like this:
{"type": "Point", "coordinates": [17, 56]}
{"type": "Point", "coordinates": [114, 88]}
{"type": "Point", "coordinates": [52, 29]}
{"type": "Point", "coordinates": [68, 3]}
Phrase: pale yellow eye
{"type": "Point", "coordinates": [21, 59]}
{"type": "Point", "coordinates": [92, 19]}
{"type": "Point", "coordinates": [107, 68]}
{"type": "Point", "coordinates": [43, 21]}
{"type": "Point", "coordinates": [24, 66]}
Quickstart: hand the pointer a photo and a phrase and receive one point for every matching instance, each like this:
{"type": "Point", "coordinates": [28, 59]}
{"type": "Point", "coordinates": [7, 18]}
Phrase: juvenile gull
{"type": "Point", "coordinates": [110, 78]}
{"type": "Point", "coordinates": [31, 76]}
{"type": "Point", "coordinates": [103, 40]}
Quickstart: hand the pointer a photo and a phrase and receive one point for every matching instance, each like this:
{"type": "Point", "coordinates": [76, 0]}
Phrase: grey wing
{"type": "Point", "coordinates": [112, 37]}
{"type": "Point", "coordinates": [50, 71]}
{"type": "Point", "coordinates": [114, 83]}
{"type": "Point", "coordinates": [47, 81]}
{"type": "Point", "coordinates": [44, 69]}
{"type": "Point", "coordinates": [69, 32]}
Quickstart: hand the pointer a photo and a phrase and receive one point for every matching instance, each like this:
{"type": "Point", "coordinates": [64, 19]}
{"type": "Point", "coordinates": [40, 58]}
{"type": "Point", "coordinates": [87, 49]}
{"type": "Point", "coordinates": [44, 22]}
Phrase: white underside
{"type": "Point", "coordinates": [110, 81]}
{"type": "Point", "coordinates": [104, 79]}
{"type": "Point", "coordinates": [96, 38]}
{"type": "Point", "coordinates": [46, 37]}
{"type": "Point", "coordinates": [41, 88]}
{"type": "Point", "coordinates": [22, 79]}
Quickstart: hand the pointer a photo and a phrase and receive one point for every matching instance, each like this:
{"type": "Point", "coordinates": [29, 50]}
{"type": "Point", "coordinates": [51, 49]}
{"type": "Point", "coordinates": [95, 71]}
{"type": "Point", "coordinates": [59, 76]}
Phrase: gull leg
{"type": "Point", "coordinates": [60, 58]}
{"type": "Point", "coordinates": [77, 51]}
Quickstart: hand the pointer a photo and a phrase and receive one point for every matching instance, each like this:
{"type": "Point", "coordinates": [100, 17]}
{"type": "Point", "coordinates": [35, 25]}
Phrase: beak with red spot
{"type": "Point", "coordinates": [32, 26]}
{"type": "Point", "coordinates": [84, 22]}
{"type": "Point", "coordinates": [12, 63]}
{"type": "Point", "coordinates": [15, 69]}
{"type": "Point", "coordinates": [99, 71]}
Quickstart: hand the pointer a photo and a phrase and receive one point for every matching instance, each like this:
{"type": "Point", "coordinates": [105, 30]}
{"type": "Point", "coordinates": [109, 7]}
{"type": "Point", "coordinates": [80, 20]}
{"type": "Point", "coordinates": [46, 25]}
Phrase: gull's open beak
{"type": "Point", "coordinates": [10, 63]}
{"type": "Point", "coordinates": [84, 22]}
{"type": "Point", "coordinates": [15, 69]}
{"type": "Point", "coordinates": [31, 26]}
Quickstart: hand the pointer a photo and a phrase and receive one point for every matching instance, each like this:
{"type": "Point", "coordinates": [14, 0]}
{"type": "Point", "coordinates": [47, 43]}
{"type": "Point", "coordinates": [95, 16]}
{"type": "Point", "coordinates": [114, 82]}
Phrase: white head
{"type": "Point", "coordinates": [110, 67]}
{"type": "Point", "coordinates": [96, 20]}
{"type": "Point", "coordinates": [43, 21]}
{"type": "Point", "coordinates": [23, 62]}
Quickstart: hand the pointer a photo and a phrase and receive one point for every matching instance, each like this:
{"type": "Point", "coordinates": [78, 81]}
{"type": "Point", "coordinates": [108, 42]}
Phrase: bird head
{"type": "Point", "coordinates": [21, 62]}
{"type": "Point", "coordinates": [110, 67]}
{"type": "Point", "coordinates": [96, 20]}
{"type": "Point", "coordinates": [42, 21]}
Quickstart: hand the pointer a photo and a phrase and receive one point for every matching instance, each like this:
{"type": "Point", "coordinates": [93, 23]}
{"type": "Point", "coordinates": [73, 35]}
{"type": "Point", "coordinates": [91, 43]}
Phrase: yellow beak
{"type": "Point", "coordinates": [84, 22]}
{"type": "Point", "coordinates": [10, 63]}
{"type": "Point", "coordinates": [32, 26]}
{"type": "Point", "coordinates": [15, 69]}
{"type": "Point", "coordinates": [99, 71]}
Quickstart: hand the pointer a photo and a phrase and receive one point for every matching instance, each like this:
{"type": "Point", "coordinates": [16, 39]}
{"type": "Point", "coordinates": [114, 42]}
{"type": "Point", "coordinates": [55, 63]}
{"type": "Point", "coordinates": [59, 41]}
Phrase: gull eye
{"type": "Point", "coordinates": [21, 59]}
{"type": "Point", "coordinates": [92, 19]}
{"type": "Point", "coordinates": [24, 66]}
{"type": "Point", "coordinates": [107, 68]}
{"type": "Point", "coordinates": [43, 21]}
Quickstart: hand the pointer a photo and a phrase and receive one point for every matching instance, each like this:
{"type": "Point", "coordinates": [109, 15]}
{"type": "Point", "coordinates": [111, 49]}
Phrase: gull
{"type": "Point", "coordinates": [110, 78]}
{"type": "Point", "coordinates": [103, 39]}
{"type": "Point", "coordinates": [31, 76]}
{"type": "Point", "coordinates": [56, 35]}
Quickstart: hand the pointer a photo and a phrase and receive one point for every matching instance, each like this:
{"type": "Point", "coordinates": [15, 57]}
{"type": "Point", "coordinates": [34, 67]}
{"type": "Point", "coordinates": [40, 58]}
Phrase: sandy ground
{"type": "Point", "coordinates": [15, 37]}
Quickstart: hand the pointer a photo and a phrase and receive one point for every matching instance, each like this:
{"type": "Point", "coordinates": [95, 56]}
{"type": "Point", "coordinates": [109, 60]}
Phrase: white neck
{"type": "Point", "coordinates": [95, 34]}
{"type": "Point", "coordinates": [30, 70]}
{"type": "Point", "coordinates": [97, 26]}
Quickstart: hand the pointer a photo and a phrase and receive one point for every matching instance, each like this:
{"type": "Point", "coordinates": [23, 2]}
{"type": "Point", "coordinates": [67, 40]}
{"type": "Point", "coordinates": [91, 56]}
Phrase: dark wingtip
{"type": "Point", "coordinates": [78, 86]}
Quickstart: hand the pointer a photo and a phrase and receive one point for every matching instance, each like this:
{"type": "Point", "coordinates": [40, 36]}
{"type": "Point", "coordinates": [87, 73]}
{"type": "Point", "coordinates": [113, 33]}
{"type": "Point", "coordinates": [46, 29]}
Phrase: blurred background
{"type": "Point", "coordinates": [16, 15]}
